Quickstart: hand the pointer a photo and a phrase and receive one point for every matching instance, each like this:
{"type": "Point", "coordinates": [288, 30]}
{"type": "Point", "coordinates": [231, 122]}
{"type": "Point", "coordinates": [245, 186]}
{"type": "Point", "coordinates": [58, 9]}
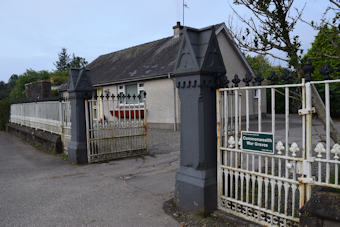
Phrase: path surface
{"type": "Point", "coordinates": [42, 190]}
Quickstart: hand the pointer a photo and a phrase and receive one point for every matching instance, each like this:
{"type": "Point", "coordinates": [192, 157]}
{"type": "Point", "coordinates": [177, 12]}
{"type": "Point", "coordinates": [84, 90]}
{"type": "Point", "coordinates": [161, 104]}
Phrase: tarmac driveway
{"type": "Point", "coordinates": [40, 189]}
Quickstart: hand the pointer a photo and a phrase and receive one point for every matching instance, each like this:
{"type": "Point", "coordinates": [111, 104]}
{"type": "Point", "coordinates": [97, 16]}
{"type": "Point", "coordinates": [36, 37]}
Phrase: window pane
{"type": "Point", "coordinates": [131, 90]}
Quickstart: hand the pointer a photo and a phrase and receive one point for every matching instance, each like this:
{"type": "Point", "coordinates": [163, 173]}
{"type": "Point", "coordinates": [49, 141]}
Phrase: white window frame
{"type": "Point", "coordinates": [256, 94]}
{"type": "Point", "coordinates": [121, 89]}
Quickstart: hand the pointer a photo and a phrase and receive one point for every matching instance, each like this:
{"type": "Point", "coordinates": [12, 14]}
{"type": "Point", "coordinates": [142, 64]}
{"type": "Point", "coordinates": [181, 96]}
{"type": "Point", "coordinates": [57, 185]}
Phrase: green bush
{"type": "Point", "coordinates": [4, 113]}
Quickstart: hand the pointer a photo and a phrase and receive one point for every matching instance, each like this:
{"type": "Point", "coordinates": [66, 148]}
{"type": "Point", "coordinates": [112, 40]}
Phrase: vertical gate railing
{"type": "Point", "coordinates": [270, 187]}
{"type": "Point", "coordinates": [325, 158]}
{"type": "Point", "coordinates": [116, 127]}
{"type": "Point", "coordinates": [255, 185]}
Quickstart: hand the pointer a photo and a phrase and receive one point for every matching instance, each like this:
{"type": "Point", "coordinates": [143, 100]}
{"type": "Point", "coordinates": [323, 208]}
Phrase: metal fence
{"type": "Point", "coordinates": [116, 127]}
{"type": "Point", "coordinates": [49, 116]}
{"type": "Point", "coordinates": [269, 187]}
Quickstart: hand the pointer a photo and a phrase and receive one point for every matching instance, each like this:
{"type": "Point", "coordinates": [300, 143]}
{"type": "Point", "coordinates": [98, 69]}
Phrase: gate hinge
{"type": "Point", "coordinates": [306, 111]}
{"type": "Point", "coordinates": [304, 167]}
{"type": "Point", "coordinates": [305, 180]}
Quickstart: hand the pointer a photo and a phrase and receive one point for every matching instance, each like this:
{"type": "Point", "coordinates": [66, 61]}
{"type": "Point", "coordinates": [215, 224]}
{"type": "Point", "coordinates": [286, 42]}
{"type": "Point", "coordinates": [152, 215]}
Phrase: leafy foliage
{"type": "Point", "coordinates": [12, 80]}
{"type": "Point", "coordinates": [65, 62]}
{"type": "Point", "coordinates": [4, 113]}
{"type": "Point", "coordinates": [57, 78]}
{"type": "Point", "coordinates": [261, 64]}
{"type": "Point", "coordinates": [18, 91]}
{"type": "Point", "coordinates": [14, 90]}
{"type": "Point", "coordinates": [271, 26]}
{"type": "Point", "coordinates": [325, 45]}
{"type": "Point", "coordinates": [3, 90]}
{"type": "Point", "coordinates": [77, 62]}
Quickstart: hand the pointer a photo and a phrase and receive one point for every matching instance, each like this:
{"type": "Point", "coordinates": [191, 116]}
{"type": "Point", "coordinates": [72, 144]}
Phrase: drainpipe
{"type": "Point", "coordinates": [175, 101]}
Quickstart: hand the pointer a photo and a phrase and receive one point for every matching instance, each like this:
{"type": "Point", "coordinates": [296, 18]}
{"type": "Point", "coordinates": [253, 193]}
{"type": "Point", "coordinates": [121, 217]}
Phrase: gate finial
{"type": "Point", "coordinates": [247, 78]}
{"type": "Point", "coordinates": [326, 70]}
{"type": "Point", "coordinates": [319, 149]}
{"type": "Point", "coordinates": [236, 80]}
{"type": "Point", "coordinates": [336, 150]}
{"type": "Point", "coordinates": [286, 76]}
{"type": "Point", "coordinates": [273, 77]}
{"type": "Point", "coordinates": [259, 78]}
{"type": "Point", "coordinates": [279, 147]}
{"type": "Point", "coordinates": [308, 69]}
{"type": "Point", "coordinates": [294, 148]}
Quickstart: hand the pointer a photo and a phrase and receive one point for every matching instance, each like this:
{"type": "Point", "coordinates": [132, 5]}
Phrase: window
{"type": "Point", "coordinates": [131, 89]}
{"type": "Point", "coordinates": [256, 94]}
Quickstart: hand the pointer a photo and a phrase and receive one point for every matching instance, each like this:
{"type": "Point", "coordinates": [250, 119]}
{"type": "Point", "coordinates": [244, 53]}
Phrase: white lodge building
{"type": "Point", "coordinates": [149, 67]}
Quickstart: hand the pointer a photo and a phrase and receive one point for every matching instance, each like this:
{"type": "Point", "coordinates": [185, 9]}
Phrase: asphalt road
{"type": "Point", "coordinates": [40, 189]}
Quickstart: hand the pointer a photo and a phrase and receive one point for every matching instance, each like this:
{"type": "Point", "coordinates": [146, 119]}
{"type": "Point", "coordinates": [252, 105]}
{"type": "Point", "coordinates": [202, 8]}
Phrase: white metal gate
{"type": "Point", "coordinates": [116, 127]}
{"type": "Point", "coordinates": [270, 187]}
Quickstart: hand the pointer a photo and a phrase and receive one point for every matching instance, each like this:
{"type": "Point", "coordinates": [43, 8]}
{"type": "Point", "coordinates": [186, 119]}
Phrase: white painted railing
{"type": "Point", "coordinates": [116, 127]}
{"type": "Point", "coordinates": [49, 116]}
{"type": "Point", "coordinates": [270, 187]}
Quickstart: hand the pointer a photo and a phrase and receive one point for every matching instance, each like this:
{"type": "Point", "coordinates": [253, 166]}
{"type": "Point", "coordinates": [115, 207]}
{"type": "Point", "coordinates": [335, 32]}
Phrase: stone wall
{"type": "Point", "coordinates": [46, 140]}
{"type": "Point", "coordinates": [38, 90]}
{"type": "Point", "coordinates": [322, 210]}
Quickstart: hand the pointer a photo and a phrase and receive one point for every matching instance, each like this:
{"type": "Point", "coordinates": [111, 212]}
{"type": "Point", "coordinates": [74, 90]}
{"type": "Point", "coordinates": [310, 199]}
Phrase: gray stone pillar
{"type": "Point", "coordinates": [80, 88]}
{"type": "Point", "coordinates": [198, 70]}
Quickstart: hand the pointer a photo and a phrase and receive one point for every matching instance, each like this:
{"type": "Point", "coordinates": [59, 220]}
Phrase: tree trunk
{"type": "Point", "coordinates": [321, 112]}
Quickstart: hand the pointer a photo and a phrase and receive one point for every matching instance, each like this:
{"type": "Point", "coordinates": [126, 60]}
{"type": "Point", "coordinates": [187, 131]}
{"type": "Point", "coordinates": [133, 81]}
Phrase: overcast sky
{"type": "Point", "coordinates": [33, 32]}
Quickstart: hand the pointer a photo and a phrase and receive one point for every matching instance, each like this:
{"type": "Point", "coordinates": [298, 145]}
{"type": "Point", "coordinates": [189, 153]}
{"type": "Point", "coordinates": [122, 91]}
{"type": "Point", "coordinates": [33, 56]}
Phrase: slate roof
{"type": "Point", "coordinates": [144, 61]}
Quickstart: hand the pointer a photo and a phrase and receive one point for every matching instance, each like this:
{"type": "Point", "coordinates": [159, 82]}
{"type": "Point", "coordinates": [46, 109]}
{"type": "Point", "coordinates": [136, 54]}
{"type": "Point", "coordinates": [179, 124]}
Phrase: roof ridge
{"type": "Point", "coordinates": [131, 47]}
{"type": "Point", "coordinates": [142, 44]}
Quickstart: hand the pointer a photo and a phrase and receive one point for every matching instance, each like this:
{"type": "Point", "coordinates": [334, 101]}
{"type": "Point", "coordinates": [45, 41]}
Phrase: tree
{"type": "Point", "coordinates": [322, 52]}
{"type": "Point", "coordinates": [18, 91]}
{"type": "Point", "coordinates": [3, 90]}
{"type": "Point", "coordinates": [325, 46]}
{"type": "Point", "coordinates": [271, 27]}
{"type": "Point", "coordinates": [4, 113]}
{"type": "Point", "coordinates": [328, 29]}
{"type": "Point", "coordinates": [58, 77]}
{"type": "Point", "coordinates": [12, 80]}
{"type": "Point", "coordinates": [62, 64]}
{"type": "Point", "coordinates": [64, 61]}
{"type": "Point", "coordinates": [261, 64]}
{"type": "Point", "coordinates": [77, 62]}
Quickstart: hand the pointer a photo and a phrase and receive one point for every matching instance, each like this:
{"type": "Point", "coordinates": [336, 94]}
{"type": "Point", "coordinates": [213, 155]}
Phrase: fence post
{"type": "Point", "coordinates": [198, 67]}
{"type": "Point", "coordinates": [80, 88]}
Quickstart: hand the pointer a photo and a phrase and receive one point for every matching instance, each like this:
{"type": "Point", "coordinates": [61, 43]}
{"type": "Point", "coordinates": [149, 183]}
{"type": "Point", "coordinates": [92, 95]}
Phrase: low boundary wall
{"type": "Point", "coordinates": [47, 140]}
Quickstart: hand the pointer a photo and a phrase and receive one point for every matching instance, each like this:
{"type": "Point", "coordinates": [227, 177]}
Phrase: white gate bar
{"type": "Point", "coordinates": [273, 126]}
{"type": "Point", "coordinates": [287, 126]}
{"type": "Point", "coordinates": [226, 116]}
{"type": "Point", "coordinates": [236, 120]}
{"type": "Point", "coordinates": [247, 110]}
{"type": "Point", "coordinates": [231, 111]}
{"type": "Point", "coordinates": [308, 135]}
{"type": "Point", "coordinates": [218, 118]}
{"type": "Point", "coordinates": [328, 151]}
{"type": "Point", "coordinates": [268, 86]}
{"type": "Point", "coordinates": [259, 112]}
{"type": "Point", "coordinates": [324, 81]}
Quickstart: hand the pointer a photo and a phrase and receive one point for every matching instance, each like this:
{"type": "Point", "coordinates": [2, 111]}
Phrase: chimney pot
{"type": "Point", "coordinates": [177, 29]}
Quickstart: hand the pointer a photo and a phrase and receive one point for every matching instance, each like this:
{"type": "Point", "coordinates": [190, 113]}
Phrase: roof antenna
{"type": "Point", "coordinates": [184, 6]}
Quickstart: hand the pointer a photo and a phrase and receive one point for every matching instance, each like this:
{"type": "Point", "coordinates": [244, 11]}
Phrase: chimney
{"type": "Point", "coordinates": [177, 29]}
